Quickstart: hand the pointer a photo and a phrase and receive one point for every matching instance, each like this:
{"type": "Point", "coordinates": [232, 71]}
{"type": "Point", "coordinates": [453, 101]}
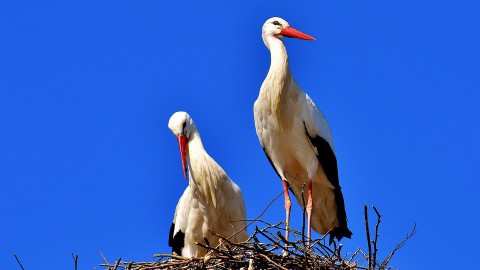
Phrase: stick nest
{"type": "Point", "coordinates": [267, 249]}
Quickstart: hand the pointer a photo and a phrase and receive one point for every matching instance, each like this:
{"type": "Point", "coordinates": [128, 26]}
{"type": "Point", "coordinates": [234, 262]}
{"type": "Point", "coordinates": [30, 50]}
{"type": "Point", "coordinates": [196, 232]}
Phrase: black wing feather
{"type": "Point", "coordinates": [176, 241]}
{"type": "Point", "coordinates": [328, 161]}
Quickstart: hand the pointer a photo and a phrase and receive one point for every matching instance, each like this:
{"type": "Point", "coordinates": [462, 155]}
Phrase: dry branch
{"type": "Point", "coordinates": [18, 261]}
{"type": "Point", "coordinates": [375, 240]}
{"type": "Point", "coordinates": [75, 260]}
{"type": "Point", "coordinates": [367, 230]}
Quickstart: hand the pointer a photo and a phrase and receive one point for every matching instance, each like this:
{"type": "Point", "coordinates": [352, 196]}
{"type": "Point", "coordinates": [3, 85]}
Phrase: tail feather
{"type": "Point", "coordinates": [339, 233]}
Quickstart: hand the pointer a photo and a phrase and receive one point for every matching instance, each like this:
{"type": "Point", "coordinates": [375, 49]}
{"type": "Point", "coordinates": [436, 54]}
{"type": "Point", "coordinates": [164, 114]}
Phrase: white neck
{"type": "Point", "coordinates": [279, 68]}
{"type": "Point", "coordinates": [203, 174]}
{"type": "Point", "coordinates": [279, 82]}
{"type": "Point", "coordinates": [195, 144]}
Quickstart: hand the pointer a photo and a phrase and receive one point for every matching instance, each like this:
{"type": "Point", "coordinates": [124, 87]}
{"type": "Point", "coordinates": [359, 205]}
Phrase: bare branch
{"type": "Point", "coordinates": [18, 261]}
{"type": "Point", "coordinates": [304, 211]}
{"type": "Point", "coordinates": [375, 249]}
{"type": "Point", "coordinates": [105, 259]}
{"type": "Point", "coordinates": [258, 217]}
{"type": "Point", "coordinates": [117, 263]}
{"type": "Point", "coordinates": [399, 246]}
{"type": "Point", "coordinates": [367, 230]}
{"type": "Point", "coordinates": [274, 263]}
{"type": "Point", "coordinates": [75, 260]}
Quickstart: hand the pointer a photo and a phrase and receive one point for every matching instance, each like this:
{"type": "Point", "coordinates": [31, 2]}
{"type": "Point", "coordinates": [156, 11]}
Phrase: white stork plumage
{"type": "Point", "coordinates": [297, 140]}
{"type": "Point", "coordinates": [210, 202]}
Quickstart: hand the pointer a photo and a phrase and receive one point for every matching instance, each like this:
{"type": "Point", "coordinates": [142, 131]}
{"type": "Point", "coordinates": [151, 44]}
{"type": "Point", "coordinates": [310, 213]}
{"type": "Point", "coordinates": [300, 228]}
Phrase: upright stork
{"type": "Point", "coordinates": [297, 140]}
{"type": "Point", "coordinates": [210, 202]}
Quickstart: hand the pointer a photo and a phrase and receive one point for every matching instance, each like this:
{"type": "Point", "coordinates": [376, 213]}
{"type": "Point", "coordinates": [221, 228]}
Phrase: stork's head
{"type": "Point", "coordinates": [279, 28]}
{"type": "Point", "coordinates": [182, 126]}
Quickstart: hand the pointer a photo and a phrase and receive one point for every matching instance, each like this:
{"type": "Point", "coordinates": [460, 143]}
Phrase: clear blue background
{"type": "Point", "coordinates": [87, 163]}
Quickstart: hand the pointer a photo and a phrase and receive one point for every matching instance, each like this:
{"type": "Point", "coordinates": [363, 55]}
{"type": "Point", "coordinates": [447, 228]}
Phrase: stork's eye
{"type": "Point", "coordinates": [276, 23]}
{"type": "Point", "coordinates": [183, 127]}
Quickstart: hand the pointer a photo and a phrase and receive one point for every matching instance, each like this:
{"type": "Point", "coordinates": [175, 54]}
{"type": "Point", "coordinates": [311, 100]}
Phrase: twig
{"type": "Point", "coordinates": [272, 262]}
{"type": "Point", "coordinates": [304, 209]}
{"type": "Point", "coordinates": [399, 246]}
{"type": "Point", "coordinates": [170, 255]}
{"type": "Point", "coordinates": [117, 263]}
{"type": "Point", "coordinates": [258, 217]}
{"type": "Point", "coordinates": [275, 243]}
{"type": "Point", "coordinates": [19, 263]}
{"type": "Point", "coordinates": [375, 249]}
{"type": "Point", "coordinates": [105, 259]}
{"type": "Point", "coordinates": [367, 230]}
{"type": "Point", "coordinates": [75, 259]}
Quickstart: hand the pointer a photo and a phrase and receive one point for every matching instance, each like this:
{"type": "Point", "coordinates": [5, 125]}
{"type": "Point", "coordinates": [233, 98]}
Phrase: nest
{"type": "Point", "coordinates": [267, 249]}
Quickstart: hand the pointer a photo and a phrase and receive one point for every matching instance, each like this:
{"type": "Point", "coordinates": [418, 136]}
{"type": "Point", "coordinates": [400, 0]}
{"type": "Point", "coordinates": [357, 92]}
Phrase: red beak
{"type": "Point", "coordinates": [294, 33]}
{"type": "Point", "coordinates": [182, 142]}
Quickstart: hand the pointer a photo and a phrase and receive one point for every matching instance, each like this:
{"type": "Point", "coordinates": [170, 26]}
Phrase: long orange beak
{"type": "Point", "coordinates": [182, 142]}
{"type": "Point", "coordinates": [294, 33]}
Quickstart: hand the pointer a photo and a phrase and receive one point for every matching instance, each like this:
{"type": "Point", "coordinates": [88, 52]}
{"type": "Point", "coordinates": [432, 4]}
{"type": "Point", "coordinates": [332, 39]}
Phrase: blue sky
{"type": "Point", "coordinates": [87, 163]}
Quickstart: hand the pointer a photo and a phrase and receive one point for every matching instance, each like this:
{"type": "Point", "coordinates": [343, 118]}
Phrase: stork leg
{"type": "Point", "coordinates": [288, 207]}
{"type": "Point", "coordinates": [309, 211]}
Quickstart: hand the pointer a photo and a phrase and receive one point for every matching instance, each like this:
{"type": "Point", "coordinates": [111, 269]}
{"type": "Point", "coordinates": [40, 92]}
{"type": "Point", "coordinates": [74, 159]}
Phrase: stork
{"type": "Point", "coordinates": [210, 202]}
{"type": "Point", "coordinates": [297, 140]}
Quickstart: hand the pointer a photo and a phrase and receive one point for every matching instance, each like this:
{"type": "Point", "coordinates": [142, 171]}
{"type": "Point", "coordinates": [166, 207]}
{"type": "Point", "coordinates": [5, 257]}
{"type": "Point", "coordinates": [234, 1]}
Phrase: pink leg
{"type": "Point", "coordinates": [309, 211]}
{"type": "Point", "coordinates": [288, 206]}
